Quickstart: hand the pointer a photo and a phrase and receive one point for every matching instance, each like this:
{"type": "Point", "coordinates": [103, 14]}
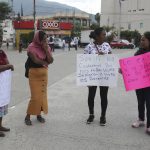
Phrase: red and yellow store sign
{"type": "Point", "coordinates": [49, 25]}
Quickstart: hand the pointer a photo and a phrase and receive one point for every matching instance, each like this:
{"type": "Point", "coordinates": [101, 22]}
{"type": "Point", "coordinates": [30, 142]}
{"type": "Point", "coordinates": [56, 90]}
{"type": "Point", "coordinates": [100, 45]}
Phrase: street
{"type": "Point", "coordinates": [65, 127]}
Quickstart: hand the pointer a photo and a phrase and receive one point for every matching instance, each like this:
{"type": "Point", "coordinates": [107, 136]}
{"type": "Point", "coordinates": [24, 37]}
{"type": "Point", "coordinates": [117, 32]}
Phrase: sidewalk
{"type": "Point", "coordinates": [66, 129]}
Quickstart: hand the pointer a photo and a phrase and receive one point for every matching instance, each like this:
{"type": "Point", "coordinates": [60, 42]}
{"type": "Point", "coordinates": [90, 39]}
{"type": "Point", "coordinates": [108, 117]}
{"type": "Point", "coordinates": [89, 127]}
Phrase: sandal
{"type": "Point", "coordinates": [148, 131]}
{"type": "Point", "coordinates": [28, 122]}
{"type": "Point", "coordinates": [2, 134]}
{"type": "Point", "coordinates": [40, 119]}
{"type": "Point", "coordinates": [138, 124]}
{"type": "Point", "coordinates": [4, 129]}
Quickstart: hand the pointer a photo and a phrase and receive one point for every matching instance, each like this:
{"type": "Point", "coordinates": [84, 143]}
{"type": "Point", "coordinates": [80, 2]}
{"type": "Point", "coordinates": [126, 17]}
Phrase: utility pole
{"type": "Point", "coordinates": [120, 15]}
{"type": "Point", "coordinates": [34, 13]}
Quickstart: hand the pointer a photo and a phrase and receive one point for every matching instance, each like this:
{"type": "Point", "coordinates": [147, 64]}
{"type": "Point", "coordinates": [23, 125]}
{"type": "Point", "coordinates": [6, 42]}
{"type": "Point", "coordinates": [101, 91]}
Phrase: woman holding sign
{"type": "Point", "coordinates": [101, 48]}
{"type": "Point", "coordinates": [4, 65]}
{"type": "Point", "coordinates": [143, 95]}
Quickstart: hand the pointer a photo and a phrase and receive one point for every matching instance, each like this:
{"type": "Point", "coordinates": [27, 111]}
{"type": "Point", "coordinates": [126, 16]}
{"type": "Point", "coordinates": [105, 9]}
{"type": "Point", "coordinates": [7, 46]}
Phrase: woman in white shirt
{"type": "Point", "coordinates": [99, 46]}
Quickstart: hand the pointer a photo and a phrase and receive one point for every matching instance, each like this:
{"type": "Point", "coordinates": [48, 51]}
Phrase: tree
{"type": "Point", "coordinates": [76, 31]}
{"type": "Point", "coordinates": [4, 10]}
{"type": "Point", "coordinates": [94, 26]}
{"type": "Point", "coordinates": [108, 28]}
{"type": "Point", "coordinates": [131, 35]}
{"type": "Point", "coordinates": [97, 18]}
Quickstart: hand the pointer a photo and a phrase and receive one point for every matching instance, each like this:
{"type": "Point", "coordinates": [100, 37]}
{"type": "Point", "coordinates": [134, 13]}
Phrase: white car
{"type": "Point", "coordinates": [58, 43]}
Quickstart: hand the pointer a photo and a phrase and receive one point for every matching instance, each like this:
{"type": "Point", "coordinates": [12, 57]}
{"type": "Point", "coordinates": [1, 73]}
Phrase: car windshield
{"type": "Point", "coordinates": [125, 41]}
{"type": "Point", "coordinates": [57, 40]}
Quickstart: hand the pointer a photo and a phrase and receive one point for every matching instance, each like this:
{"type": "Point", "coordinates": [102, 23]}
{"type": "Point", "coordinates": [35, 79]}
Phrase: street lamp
{"type": "Point", "coordinates": [120, 13]}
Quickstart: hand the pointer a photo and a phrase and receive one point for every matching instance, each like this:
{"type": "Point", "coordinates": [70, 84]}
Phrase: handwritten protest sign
{"type": "Point", "coordinates": [136, 71]}
{"type": "Point", "coordinates": [5, 87]}
{"type": "Point", "coordinates": [95, 70]}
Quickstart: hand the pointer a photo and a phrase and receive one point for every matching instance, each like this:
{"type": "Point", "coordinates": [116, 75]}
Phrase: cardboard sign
{"type": "Point", "coordinates": [5, 87]}
{"type": "Point", "coordinates": [136, 71]}
{"type": "Point", "coordinates": [97, 70]}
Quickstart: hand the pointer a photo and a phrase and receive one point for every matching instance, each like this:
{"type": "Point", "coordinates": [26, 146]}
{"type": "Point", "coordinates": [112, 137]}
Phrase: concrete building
{"type": "Point", "coordinates": [81, 18]}
{"type": "Point", "coordinates": [135, 14]}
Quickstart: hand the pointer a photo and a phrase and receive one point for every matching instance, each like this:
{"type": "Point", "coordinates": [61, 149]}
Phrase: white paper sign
{"type": "Point", "coordinates": [96, 70]}
{"type": "Point", "coordinates": [5, 87]}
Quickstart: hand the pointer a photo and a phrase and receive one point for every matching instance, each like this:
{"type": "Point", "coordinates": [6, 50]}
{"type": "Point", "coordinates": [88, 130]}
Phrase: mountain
{"type": "Point", "coordinates": [42, 7]}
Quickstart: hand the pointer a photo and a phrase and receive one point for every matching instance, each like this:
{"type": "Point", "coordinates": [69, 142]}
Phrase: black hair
{"type": "Point", "coordinates": [41, 35]}
{"type": "Point", "coordinates": [94, 34]}
{"type": "Point", "coordinates": [147, 36]}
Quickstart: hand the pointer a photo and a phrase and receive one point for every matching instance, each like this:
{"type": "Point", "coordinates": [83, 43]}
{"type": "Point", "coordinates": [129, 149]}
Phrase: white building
{"type": "Point", "coordinates": [135, 14]}
{"type": "Point", "coordinates": [8, 31]}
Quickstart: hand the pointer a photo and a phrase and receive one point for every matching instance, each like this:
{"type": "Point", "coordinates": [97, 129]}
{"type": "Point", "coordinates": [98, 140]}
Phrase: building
{"type": "Point", "coordinates": [83, 19]}
{"type": "Point", "coordinates": [51, 27]}
{"type": "Point", "coordinates": [134, 14]}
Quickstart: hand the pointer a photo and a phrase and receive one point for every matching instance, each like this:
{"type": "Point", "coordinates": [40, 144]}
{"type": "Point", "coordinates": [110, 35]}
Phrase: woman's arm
{"type": "Point", "coordinates": [49, 57]}
{"type": "Point", "coordinates": [6, 67]}
{"type": "Point", "coordinates": [37, 60]}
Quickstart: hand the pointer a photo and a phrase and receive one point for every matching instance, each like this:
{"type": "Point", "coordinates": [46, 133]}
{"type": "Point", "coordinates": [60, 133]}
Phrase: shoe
{"type": "Point", "coordinates": [2, 134]}
{"type": "Point", "coordinates": [40, 119]}
{"type": "Point", "coordinates": [90, 119]}
{"type": "Point", "coordinates": [28, 122]}
{"type": "Point", "coordinates": [138, 124]}
{"type": "Point", "coordinates": [102, 121]}
{"type": "Point", "coordinates": [148, 131]}
{"type": "Point", "coordinates": [4, 129]}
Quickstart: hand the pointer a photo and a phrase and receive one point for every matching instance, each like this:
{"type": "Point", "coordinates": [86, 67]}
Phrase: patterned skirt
{"type": "Point", "coordinates": [3, 110]}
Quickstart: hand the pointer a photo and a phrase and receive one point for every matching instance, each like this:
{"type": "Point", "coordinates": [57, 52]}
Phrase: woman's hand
{"type": "Point", "coordinates": [45, 46]}
{"type": "Point", "coordinates": [120, 71]}
{"type": "Point", "coordinates": [101, 53]}
{"type": "Point", "coordinates": [11, 67]}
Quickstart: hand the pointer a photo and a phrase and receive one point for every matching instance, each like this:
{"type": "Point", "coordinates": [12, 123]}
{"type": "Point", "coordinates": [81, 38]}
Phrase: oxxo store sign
{"type": "Point", "coordinates": [49, 24]}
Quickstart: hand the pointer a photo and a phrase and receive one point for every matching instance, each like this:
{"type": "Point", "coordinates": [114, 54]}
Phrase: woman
{"type": "Point", "coordinates": [143, 95]}
{"type": "Point", "coordinates": [39, 57]}
{"type": "Point", "coordinates": [4, 65]}
{"type": "Point", "coordinates": [98, 47]}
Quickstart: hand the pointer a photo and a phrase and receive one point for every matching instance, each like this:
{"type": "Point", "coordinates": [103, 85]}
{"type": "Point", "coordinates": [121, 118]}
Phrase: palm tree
{"type": "Point", "coordinates": [97, 18]}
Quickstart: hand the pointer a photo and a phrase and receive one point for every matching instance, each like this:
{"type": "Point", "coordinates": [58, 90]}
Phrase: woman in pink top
{"type": "Point", "coordinates": [39, 57]}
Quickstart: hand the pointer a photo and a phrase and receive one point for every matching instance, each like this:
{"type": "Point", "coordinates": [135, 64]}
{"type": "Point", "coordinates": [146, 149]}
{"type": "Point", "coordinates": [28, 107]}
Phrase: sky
{"type": "Point", "coordinates": [90, 6]}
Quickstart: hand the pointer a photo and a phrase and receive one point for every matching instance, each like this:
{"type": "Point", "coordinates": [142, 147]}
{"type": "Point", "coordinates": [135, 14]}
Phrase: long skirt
{"type": "Point", "coordinates": [38, 78]}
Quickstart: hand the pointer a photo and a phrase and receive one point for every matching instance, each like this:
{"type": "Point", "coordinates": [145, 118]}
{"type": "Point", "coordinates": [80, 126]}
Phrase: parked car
{"type": "Point", "coordinates": [122, 44]}
{"type": "Point", "coordinates": [58, 43]}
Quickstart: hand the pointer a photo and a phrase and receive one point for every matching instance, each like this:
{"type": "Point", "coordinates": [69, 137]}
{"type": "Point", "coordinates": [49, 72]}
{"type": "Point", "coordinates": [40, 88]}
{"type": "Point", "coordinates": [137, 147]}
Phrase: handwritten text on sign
{"type": "Point", "coordinates": [5, 87]}
{"type": "Point", "coordinates": [136, 71]}
{"type": "Point", "coordinates": [95, 70]}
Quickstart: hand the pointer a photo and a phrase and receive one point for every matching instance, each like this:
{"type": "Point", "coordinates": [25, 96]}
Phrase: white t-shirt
{"type": "Point", "coordinates": [94, 48]}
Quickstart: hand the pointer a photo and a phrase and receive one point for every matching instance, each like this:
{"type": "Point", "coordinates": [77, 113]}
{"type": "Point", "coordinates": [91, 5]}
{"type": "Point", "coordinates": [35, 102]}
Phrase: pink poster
{"type": "Point", "coordinates": [136, 71]}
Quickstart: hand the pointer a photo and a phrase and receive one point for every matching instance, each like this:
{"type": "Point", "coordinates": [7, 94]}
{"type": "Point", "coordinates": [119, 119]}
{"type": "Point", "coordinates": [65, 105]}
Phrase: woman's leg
{"type": "Point", "coordinates": [141, 109]}
{"type": "Point", "coordinates": [104, 100]}
{"type": "Point", "coordinates": [1, 121]}
{"type": "Point", "coordinates": [141, 104]}
{"type": "Point", "coordinates": [3, 128]}
{"type": "Point", "coordinates": [147, 98]}
{"type": "Point", "coordinates": [91, 96]}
